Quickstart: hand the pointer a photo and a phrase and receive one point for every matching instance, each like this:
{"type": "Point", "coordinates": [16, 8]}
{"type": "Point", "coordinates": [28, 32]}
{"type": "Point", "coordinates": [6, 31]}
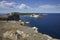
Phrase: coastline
{"type": "Point", "coordinates": [5, 26]}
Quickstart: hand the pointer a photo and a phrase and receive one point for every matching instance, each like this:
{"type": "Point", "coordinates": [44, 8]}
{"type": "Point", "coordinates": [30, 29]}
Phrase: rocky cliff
{"type": "Point", "coordinates": [13, 28]}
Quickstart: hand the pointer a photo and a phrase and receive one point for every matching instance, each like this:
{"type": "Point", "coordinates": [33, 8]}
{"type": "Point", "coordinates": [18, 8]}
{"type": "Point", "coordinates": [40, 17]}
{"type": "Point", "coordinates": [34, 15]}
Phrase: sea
{"type": "Point", "coordinates": [48, 24]}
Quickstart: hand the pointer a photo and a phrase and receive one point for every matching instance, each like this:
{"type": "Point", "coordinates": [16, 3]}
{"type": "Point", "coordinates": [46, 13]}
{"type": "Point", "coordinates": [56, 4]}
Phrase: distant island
{"type": "Point", "coordinates": [16, 16]}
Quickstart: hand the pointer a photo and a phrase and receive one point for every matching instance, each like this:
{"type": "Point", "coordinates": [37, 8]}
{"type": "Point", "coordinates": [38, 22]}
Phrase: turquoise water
{"type": "Point", "coordinates": [48, 24]}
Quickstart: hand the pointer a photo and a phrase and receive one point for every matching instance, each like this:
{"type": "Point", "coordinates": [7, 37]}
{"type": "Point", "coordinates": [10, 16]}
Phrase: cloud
{"type": "Point", "coordinates": [49, 6]}
{"type": "Point", "coordinates": [23, 6]}
{"type": "Point", "coordinates": [6, 4]}
{"type": "Point", "coordinates": [44, 7]}
{"type": "Point", "coordinates": [41, 7]}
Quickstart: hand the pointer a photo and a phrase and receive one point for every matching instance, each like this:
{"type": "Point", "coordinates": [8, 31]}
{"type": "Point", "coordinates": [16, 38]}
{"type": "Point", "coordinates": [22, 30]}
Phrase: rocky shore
{"type": "Point", "coordinates": [12, 30]}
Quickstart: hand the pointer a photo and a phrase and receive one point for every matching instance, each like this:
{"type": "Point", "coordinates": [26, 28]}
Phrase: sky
{"type": "Point", "coordinates": [30, 6]}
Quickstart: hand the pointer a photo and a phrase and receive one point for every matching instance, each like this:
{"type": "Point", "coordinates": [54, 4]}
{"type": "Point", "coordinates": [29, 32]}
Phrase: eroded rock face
{"type": "Point", "coordinates": [10, 34]}
{"type": "Point", "coordinates": [19, 32]}
{"type": "Point", "coordinates": [35, 29]}
{"type": "Point", "coordinates": [14, 34]}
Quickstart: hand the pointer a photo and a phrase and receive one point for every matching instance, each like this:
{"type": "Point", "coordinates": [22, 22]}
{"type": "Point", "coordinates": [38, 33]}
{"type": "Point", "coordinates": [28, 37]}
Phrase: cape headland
{"type": "Point", "coordinates": [13, 30]}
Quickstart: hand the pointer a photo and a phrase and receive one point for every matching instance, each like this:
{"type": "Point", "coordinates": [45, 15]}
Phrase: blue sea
{"type": "Point", "coordinates": [49, 24]}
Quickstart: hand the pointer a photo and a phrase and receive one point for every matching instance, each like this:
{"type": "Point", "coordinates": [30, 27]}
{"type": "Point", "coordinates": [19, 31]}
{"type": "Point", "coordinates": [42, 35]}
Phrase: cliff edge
{"type": "Point", "coordinates": [12, 30]}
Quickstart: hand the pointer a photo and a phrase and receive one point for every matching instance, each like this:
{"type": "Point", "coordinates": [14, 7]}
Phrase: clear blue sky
{"type": "Point", "coordinates": [35, 6]}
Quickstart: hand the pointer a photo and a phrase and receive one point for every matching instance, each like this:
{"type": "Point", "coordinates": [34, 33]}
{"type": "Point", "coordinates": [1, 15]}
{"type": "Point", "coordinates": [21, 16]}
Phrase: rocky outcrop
{"type": "Point", "coordinates": [14, 34]}
{"type": "Point", "coordinates": [12, 30]}
{"type": "Point", "coordinates": [17, 34]}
